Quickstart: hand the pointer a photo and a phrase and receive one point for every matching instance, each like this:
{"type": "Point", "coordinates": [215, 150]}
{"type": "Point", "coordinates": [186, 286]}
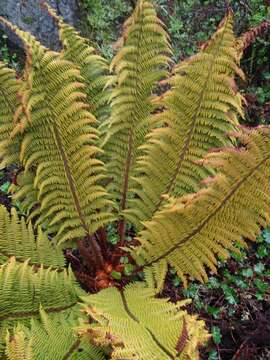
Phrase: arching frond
{"type": "Point", "coordinates": [191, 231]}
{"type": "Point", "coordinates": [9, 87]}
{"type": "Point", "coordinates": [50, 339]}
{"type": "Point", "coordinates": [200, 109]}
{"type": "Point", "coordinates": [59, 142]}
{"type": "Point", "coordinates": [138, 66]}
{"type": "Point", "coordinates": [93, 67]}
{"type": "Point", "coordinates": [140, 326]}
{"type": "Point", "coordinates": [17, 239]}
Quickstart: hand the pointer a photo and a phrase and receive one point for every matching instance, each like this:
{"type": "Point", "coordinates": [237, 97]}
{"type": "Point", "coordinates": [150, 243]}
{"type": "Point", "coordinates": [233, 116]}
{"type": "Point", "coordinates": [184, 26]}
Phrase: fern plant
{"type": "Point", "coordinates": [145, 150]}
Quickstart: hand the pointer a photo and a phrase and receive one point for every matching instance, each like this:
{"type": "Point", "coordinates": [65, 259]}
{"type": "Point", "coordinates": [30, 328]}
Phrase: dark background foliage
{"type": "Point", "coordinates": [190, 23]}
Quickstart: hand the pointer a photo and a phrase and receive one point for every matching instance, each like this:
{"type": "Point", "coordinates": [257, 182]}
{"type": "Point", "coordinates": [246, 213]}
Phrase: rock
{"type": "Point", "coordinates": [29, 16]}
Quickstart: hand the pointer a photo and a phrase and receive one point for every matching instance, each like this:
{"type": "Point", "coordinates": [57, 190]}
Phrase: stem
{"type": "Point", "coordinates": [121, 224]}
{"type": "Point", "coordinates": [94, 256]}
{"type": "Point", "coordinates": [98, 257]}
{"type": "Point", "coordinates": [102, 237]}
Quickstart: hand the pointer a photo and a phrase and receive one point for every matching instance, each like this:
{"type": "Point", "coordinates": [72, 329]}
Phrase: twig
{"type": "Point", "coordinates": [235, 357]}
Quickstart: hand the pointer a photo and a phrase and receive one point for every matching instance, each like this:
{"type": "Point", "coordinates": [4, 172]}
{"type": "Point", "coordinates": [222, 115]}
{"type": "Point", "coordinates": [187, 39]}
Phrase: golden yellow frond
{"type": "Point", "coordinates": [140, 326]}
{"type": "Point", "coordinates": [138, 66]}
{"type": "Point", "coordinates": [184, 193]}
{"type": "Point", "coordinates": [94, 69]}
{"type": "Point", "coordinates": [201, 107]}
{"type": "Point", "coordinates": [58, 142]}
{"type": "Point", "coordinates": [50, 339]}
{"type": "Point", "coordinates": [9, 87]}
{"type": "Point", "coordinates": [191, 231]}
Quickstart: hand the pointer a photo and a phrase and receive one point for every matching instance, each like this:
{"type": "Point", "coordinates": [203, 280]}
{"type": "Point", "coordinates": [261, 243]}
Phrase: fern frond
{"type": "Point", "coordinates": [17, 239]}
{"type": "Point", "coordinates": [11, 93]}
{"type": "Point", "coordinates": [93, 68]}
{"type": "Point", "coordinates": [26, 194]}
{"type": "Point", "coordinates": [155, 275]}
{"type": "Point", "coordinates": [50, 339]}
{"type": "Point", "coordinates": [249, 37]}
{"type": "Point", "coordinates": [24, 288]}
{"type": "Point", "coordinates": [138, 66]}
{"type": "Point", "coordinates": [9, 88]}
{"type": "Point", "coordinates": [200, 109]}
{"type": "Point", "coordinates": [141, 326]}
{"type": "Point", "coordinates": [189, 232]}
{"type": "Point", "coordinates": [59, 141]}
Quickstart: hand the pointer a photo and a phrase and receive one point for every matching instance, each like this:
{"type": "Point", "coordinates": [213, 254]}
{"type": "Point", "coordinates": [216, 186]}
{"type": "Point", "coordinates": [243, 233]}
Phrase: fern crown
{"type": "Point", "coordinates": [140, 146]}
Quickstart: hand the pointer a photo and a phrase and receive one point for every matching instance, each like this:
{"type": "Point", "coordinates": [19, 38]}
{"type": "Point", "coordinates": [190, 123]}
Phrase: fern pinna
{"type": "Point", "coordinates": [116, 177]}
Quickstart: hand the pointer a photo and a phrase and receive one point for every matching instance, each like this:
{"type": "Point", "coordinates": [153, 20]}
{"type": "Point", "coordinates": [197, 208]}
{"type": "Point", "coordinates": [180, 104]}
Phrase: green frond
{"type": "Point", "coordinates": [9, 87]}
{"type": "Point", "coordinates": [191, 231]}
{"type": "Point", "coordinates": [155, 275]}
{"type": "Point", "coordinates": [17, 239]}
{"type": "Point", "coordinates": [59, 143]}
{"type": "Point", "coordinates": [26, 194]}
{"type": "Point", "coordinates": [140, 326]}
{"type": "Point", "coordinates": [24, 288]}
{"type": "Point", "coordinates": [139, 64]}
{"type": "Point", "coordinates": [201, 107]}
{"type": "Point", "coordinates": [93, 67]}
{"type": "Point", "coordinates": [50, 339]}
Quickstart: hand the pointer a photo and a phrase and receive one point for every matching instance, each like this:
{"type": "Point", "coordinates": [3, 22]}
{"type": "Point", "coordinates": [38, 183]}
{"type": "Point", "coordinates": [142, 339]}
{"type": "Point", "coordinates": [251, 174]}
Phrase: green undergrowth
{"type": "Point", "coordinates": [6, 54]}
{"type": "Point", "coordinates": [233, 297]}
{"type": "Point", "coordinates": [189, 23]}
